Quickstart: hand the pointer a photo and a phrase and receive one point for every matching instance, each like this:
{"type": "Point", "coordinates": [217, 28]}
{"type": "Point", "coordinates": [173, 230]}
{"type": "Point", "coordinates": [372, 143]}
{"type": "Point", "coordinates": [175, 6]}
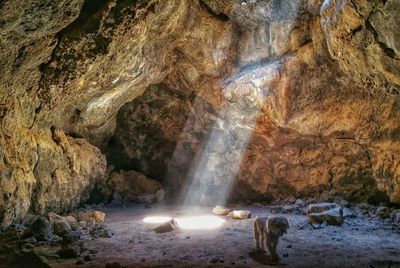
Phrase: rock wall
{"type": "Point", "coordinates": [297, 97]}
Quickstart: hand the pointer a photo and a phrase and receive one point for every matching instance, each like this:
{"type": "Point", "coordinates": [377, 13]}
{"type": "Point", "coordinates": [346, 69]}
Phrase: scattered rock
{"type": "Point", "coordinates": [41, 229]}
{"type": "Point", "coordinates": [332, 217]}
{"type": "Point", "coordinates": [166, 227]}
{"type": "Point", "coordinates": [241, 214]}
{"type": "Point", "coordinates": [220, 211]}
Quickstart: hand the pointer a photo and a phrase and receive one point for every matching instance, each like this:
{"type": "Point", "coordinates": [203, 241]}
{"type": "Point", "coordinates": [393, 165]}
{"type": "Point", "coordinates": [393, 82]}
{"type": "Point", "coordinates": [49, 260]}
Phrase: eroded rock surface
{"type": "Point", "coordinates": [251, 100]}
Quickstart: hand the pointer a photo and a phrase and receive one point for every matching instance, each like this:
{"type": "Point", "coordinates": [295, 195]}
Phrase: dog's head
{"type": "Point", "coordinates": [278, 225]}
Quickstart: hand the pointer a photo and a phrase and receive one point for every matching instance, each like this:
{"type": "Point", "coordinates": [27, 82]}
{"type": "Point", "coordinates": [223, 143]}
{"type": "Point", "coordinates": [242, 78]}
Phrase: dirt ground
{"type": "Point", "coordinates": [360, 242]}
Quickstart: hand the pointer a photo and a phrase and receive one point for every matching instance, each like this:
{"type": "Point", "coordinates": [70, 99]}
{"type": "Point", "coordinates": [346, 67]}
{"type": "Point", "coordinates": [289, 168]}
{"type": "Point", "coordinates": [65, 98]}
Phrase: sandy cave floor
{"type": "Point", "coordinates": [360, 242]}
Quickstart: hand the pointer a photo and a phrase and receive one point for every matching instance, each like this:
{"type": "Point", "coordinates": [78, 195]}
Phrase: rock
{"type": "Point", "coordinates": [41, 229]}
{"type": "Point", "coordinates": [320, 207]}
{"type": "Point", "coordinates": [348, 213]}
{"type": "Point", "coordinates": [71, 237]}
{"type": "Point", "coordinates": [332, 216]}
{"type": "Point", "coordinates": [30, 259]}
{"type": "Point", "coordinates": [344, 203]}
{"type": "Point", "coordinates": [69, 252]}
{"type": "Point", "coordinates": [53, 216]}
{"type": "Point", "coordinates": [241, 214]}
{"type": "Point", "coordinates": [383, 212]}
{"type": "Point", "coordinates": [295, 209]}
{"type": "Point", "coordinates": [166, 227]}
{"type": "Point", "coordinates": [87, 258]}
{"type": "Point", "coordinates": [396, 217]}
{"type": "Point", "coordinates": [300, 202]}
{"type": "Point", "coordinates": [61, 227]}
{"type": "Point", "coordinates": [220, 211]}
{"type": "Point", "coordinates": [90, 216]}
{"type": "Point", "coordinates": [73, 223]}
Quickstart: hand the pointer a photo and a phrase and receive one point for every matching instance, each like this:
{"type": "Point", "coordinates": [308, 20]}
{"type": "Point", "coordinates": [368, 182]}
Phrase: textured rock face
{"type": "Point", "coordinates": [273, 98]}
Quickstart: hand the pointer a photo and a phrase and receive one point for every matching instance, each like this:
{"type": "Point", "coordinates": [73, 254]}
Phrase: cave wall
{"type": "Point", "coordinates": [314, 84]}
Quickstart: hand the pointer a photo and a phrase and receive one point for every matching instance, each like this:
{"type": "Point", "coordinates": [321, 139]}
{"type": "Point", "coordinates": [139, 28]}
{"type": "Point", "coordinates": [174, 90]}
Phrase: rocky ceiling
{"type": "Point", "coordinates": [303, 95]}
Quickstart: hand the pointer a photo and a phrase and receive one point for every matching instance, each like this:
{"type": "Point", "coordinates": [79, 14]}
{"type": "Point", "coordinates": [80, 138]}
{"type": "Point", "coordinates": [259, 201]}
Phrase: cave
{"type": "Point", "coordinates": [152, 133]}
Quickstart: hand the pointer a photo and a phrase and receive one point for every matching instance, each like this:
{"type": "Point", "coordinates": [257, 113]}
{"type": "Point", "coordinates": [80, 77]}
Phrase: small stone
{"type": "Point", "coordinates": [383, 212]}
{"type": "Point", "coordinates": [220, 211]}
{"type": "Point", "coordinates": [289, 246]}
{"type": "Point", "coordinates": [166, 227]}
{"type": "Point", "coordinates": [344, 203]}
{"type": "Point", "coordinates": [241, 214]}
{"type": "Point", "coordinates": [87, 258]}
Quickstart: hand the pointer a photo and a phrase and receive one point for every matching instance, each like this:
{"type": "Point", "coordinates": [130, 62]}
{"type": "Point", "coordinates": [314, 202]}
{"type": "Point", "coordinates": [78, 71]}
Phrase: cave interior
{"type": "Point", "coordinates": [151, 133]}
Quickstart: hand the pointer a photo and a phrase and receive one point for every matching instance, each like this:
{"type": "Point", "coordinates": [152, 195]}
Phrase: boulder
{"type": "Point", "coordinates": [222, 211]}
{"type": "Point", "coordinates": [320, 207]}
{"type": "Point", "coordinates": [241, 214]}
{"type": "Point", "coordinates": [332, 216]}
{"type": "Point", "coordinates": [61, 227]}
{"type": "Point", "coordinates": [41, 229]}
{"type": "Point", "coordinates": [90, 216]}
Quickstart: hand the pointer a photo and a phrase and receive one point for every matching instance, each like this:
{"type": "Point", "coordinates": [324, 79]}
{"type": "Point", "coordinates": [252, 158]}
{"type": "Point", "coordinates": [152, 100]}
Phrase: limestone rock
{"type": "Point", "coordinates": [218, 210]}
{"type": "Point", "coordinates": [92, 216]}
{"type": "Point", "coordinates": [241, 214]}
{"type": "Point", "coordinates": [332, 216]}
